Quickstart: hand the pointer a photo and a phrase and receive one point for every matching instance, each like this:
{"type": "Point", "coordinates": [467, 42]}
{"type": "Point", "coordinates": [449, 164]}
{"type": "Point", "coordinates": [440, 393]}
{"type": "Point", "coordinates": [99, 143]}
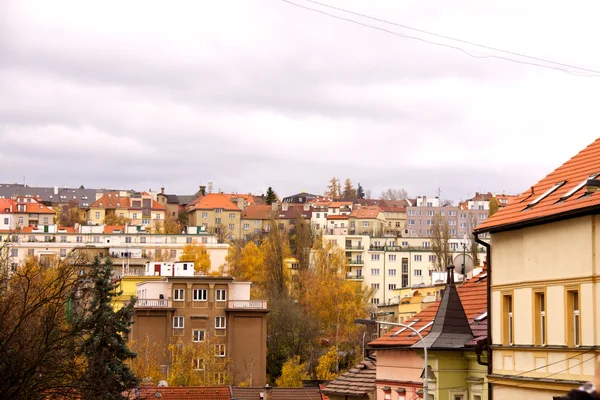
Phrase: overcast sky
{"type": "Point", "coordinates": [252, 93]}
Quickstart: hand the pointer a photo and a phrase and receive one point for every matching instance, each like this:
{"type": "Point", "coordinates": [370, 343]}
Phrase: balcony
{"type": "Point", "coordinates": [358, 248]}
{"type": "Point", "coordinates": [153, 303]}
{"type": "Point", "coordinates": [247, 304]}
{"type": "Point", "coordinates": [356, 262]}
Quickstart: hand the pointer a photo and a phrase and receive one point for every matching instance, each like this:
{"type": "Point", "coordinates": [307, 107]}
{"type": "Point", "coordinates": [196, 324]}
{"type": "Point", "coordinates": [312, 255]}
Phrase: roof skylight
{"type": "Point", "coordinates": [577, 188]}
{"type": "Point", "coordinates": [403, 329]}
{"type": "Point", "coordinates": [545, 194]}
{"type": "Point", "coordinates": [481, 317]}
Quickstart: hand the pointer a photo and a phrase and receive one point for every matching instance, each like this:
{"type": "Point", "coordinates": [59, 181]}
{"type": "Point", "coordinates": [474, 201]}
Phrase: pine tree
{"type": "Point", "coordinates": [360, 192]}
{"type": "Point", "coordinates": [105, 349]}
{"type": "Point", "coordinates": [271, 196]}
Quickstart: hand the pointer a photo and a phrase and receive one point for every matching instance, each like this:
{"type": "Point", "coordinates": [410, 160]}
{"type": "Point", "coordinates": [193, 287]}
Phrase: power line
{"type": "Point", "coordinates": [454, 39]}
{"type": "Point", "coordinates": [595, 73]}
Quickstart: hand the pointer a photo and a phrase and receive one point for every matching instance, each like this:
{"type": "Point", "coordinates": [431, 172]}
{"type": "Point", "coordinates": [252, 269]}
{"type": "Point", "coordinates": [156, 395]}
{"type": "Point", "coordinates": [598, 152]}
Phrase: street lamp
{"type": "Point", "coordinates": [425, 370]}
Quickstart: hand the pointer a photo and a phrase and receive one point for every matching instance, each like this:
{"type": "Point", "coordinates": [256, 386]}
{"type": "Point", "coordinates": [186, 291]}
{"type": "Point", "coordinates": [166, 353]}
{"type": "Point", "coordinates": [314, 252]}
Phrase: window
{"type": "Point", "coordinates": [418, 272]}
{"type": "Point", "coordinates": [14, 252]}
{"type": "Point", "coordinates": [375, 271]}
{"type": "Point", "coordinates": [374, 300]}
{"type": "Point", "coordinates": [178, 322]}
{"type": "Point", "coordinates": [430, 214]}
{"type": "Point", "coordinates": [365, 224]}
{"type": "Point", "coordinates": [128, 239]}
{"type": "Point", "coordinates": [418, 257]}
{"type": "Point", "coordinates": [411, 212]}
{"type": "Point", "coordinates": [134, 215]}
{"type": "Point", "coordinates": [220, 322]}
{"type": "Point", "coordinates": [63, 252]}
{"type": "Point", "coordinates": [392, 272]}
{"type": "Point", "coordinates": [30, 252]}
{"type": "Point", "coordinates": [574, 190]}
{"type": "Point", "coordinates": [217, 220]}
{"type": "Point", "coordinates": [204, 215]}
{"type": "Point", "coordinates": [198, 364]}
{"type": "Point", "coordinates": [463, 215]}
{"type": "Point", "coordinates": [188, 240]}
{"type": "Point", "coordinates": [482, 216]}
{"type": "Point", "coordinates": [374, 257]}
{"type": "Point", "coordinates": [545, 194]}
{"type": "Point", "coordinates": [157, 216]}
{"type": "Point", "coordinates": [375, 286]}
{"type": "Point", "coordinates": [318, 215]}
{"type": "Point", "coordinates": [198, 335]}
{"type": "Point", "coordinates": [96, 239]}
{"type": "Point", "coordinates": [404, 243]}
{"type": "Point", "coordinates": [231, 227]}
{"type": "Point", "coordinates": [427, 244]}
{"type": "Point", "coordinates": [173, 253]}
{"type": "Point", "coordinates": [218, 210]}
{"type": "Point", "coordinates": [411, 221]}
{"type": "Point", "coordinates": [63, 239]}
{"type": "Point", "coordinates": [142, 240]}
{"type": "Point", "coordinates": [391, 257]}
{"type": "Point", "coordinates": [221, 294]}
{"type": "Point", "coordinates": [539, 324]}
{"type": "Point", "coordinates": [359, 272]}
{"type": "Point", "coordinates": [174, 239]}
{"type": "Point", "coordinates": [231, 216]}
{"type": "Point", "coordinates": [392, 286]}
{"type": "Point", "coordinates": [573, 320]}
{"type": "Point", "coordinates": [219, 378]}
{"type": "Point", "coordinates": [5, 221]}
{"type": "Point", "coordinates": [199, 294]}
{"type": "Point", "coordinates": [179, 294]}
{"type": "Point", "coordinates": [246, 226]}
{"type": "Point", "coordinates": [219, 350]}
{"type": "Point", "coordinates": [397, 224]}
{"type": "Point", "coordinates": [145, 222]}
{"type": "Point", "coordinates": [432, 258]}
{"type": "Point", "coordinates": [452, 222]}
{"type": "Point", "coordinates": [463, 224]}
{"type": "Point", "coordinates": [507, 323]}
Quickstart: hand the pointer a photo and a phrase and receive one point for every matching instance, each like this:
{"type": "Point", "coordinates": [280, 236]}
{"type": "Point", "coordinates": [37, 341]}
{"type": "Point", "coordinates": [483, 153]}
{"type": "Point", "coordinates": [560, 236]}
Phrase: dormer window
{"type": "Point", "coordinates": [577, 188]}
{"type": "Point", "coordinates": [545, 194]}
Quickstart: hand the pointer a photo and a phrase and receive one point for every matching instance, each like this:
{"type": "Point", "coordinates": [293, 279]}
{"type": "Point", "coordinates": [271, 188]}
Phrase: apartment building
{"type": "Point", "coordinates": [545, 249]}
{"type": "Point", "coordinates": [194, 308]}
{"type": "Point", "coordinates": [123, 242]}
{"type": "Point", "coordinates": [255, 219]}
{"type": "Point", "coordinates": [368, 220]}
{"type": "Point", "coordinates": [217, 211]}
{"type": "Point", "coordinates": [389, 263]}
{"type": "Point", "coordinates": [51, 196]}
{"type": "Point", "coordinates": [170, 202]}
{"type": "Point", "coordinates": [140, 209]}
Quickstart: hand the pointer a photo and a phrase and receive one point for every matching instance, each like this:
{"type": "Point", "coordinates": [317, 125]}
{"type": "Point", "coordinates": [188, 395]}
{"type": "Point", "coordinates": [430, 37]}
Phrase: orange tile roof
{"type": "Point", "coordinates": [257, 211]}
{"type": "Point", "coordinates": [113, 228]}
{"type": "Point", "coordinates": [216, 200]}
{"type": "Point", "coordinates": [338, 204]}
{"type": "Point", "coordinates": [370, 212]}
{"type": "Point", "coordinates": [38, 208]}
{"type": "Point", "coordinates": [337, 217]}
{"type": "Point", "coordinates": [248, 197]}
{"type": "Point", "coordinates": [573, 172]}
{"type": "Point", "coordinates": [111, 200]}
{"type": "Point", "coordinates": [473, 296]}
{"type": "Point", "coordinates": [186, 393]}
{"type": "Point", "coordinates": [6, 203]}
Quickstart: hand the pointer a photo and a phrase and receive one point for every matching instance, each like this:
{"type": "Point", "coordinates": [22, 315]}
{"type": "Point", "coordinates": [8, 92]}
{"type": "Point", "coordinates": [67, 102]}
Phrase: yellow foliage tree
{"type": "Point", "coordinates": [275, 249]}
{"type": "Point", "coordinates": [247, 263]}
{"type": "Point", "coordinates": [293, 373]}
{"type": "Point", "coordinates": [198, 363]}
{"type": "Point", "coordinates": [199, 255]}
{"type": "Point", "coordinates": [146, 364]}
{"type": "Point", "coordinates": [328, 364]}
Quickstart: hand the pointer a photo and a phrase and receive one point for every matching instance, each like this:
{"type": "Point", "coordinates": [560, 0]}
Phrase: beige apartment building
{"type": "Point", "coordinates": [256, 218]}
{"type": "Point", "coordinates": [140, 209]}
{"type": "Point", "coordinates": [218, 214]}
{"type": "Point", "coordinates": [545, 313]}
{"type": "Point", "coordinates": [194, 308]}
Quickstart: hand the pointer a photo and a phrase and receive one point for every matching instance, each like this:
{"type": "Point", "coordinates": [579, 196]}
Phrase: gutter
{"type": "Point", "coordinates": [488, 248]}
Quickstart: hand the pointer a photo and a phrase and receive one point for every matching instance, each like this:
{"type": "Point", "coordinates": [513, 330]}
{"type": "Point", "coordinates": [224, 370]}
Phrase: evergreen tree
{"type": "Point", "coordinates": [105, 349]}
{"type": "Point", "coordinates": [271, 196]}
{"type": "Point", "coordinates": [349, 193]}
{"type": "Point", "coordinates": [360, 192]}
{"type": "Point", "coordinates": [494, 206]}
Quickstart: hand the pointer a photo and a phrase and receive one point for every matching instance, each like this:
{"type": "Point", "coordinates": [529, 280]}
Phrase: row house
{"type": "Point", "coordinates": [194, 309]}
{"type": "Point", "coordinates": [23, 212]}
{"type": "Point", "coordinates": [139, 209]}
{"type": "Point", "coordinates": [390, 263]}
{"type": "Point", "coordinates": [121, 242]}
{"type": "Point", "coordinates": [545, 252]}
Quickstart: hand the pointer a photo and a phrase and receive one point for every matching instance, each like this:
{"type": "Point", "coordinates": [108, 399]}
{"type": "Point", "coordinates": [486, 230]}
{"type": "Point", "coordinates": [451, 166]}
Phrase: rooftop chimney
{"type": "Point", "coordinates": [162, 190]}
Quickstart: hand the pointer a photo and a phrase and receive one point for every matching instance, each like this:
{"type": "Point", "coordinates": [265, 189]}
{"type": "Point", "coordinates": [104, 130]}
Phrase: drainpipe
{"type": "Point", "coordinates": [488, 248]}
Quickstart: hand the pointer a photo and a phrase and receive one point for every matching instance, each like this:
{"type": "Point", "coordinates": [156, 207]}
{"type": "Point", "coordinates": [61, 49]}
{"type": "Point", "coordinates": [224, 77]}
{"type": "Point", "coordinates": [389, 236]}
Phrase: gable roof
{"type": "Point", "coordinates": [111, 200]}
{"type": "Point", "coordinates": [294, 211]}
{"type": "Point", "coordinates": [215, 200]}
{"type": "Point", "coordinates": [370, 212]}
{"type": "Point", "coordinates": [473, 297]}
{"type": "Point", "coordinates": [536, 206]}
{"type": "Point", "coordinates": [6, 204]}
{"type": "Point", "coordinates": [356, 382]}
{"type": "Point", "coordinates": [257, 211]}
{"type": "Point", "coordinates": [36, 208]}
{"type": "Point", "coordinates": [184, 393]}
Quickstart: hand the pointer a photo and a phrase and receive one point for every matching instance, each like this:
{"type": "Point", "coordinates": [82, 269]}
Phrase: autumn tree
{"type": "Point", "coordinates": [301, 241]}
{"type": "Point", "coordinates": [275, 248]}
{"type": "Point", "coordinates": [183, 218]}
{"type": "Point", "coordinates": [349, 193]}
{"type": "Point", "coordinates": [293, 373]}
{"type": "Point", "coordinates": [198, 254]}
{"type": "Point", "coordinates": [202, 363]}
{"type": "Point", "coordinates": [221, 232]}
{"type": "Point", "coordinates": [146, 365]}
{"type": "Point", "coordinates": [360, 192]}
{"type": "Point", "coordinates": [328, 366]}
{"type": "Point", "coordinates": [333, 189]}
{"type": "Point", "coordinates": [472, 244]}
{"type": "Point", "coordinates": [440, 242]}
{"type": "Point", "coordinates": [271, 196]}
{"type": "Point", "coordinates": [162, 256]}
{"type": "Point", "coordinates": [114, 219]}
{"type": "Point", "coordinates": [169, 226]}
{"type": "Point", "coordinates": [68, 214]}
{"type": "Point", "coordinates": [494, 206]}
{"type": "Point", "coordinates": [246, 264]}
{"type": "Point", "coordinates": [394, 194]}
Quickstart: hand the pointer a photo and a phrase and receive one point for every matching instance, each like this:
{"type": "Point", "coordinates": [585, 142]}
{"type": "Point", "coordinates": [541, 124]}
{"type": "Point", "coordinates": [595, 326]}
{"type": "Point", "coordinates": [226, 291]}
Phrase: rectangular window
{"type": "Point", "coordinates": [63, 252]}
{"type": "Point", "coordinates": [391, 257]}
{"type": "Point", "coordinates": [178, 322]}
{"type": "Point", "coordinates": [97, 215]}
{"type": "Point", "coordinates": [128, 239]}
{"type": "Point", "coordinates": [188, 240]}
{"type": "Point", "coordinates": [426, 245]}
{"type": "Point", "coordinates": [375, 286]}
{"type": "Point", "coordinates": [198, 364]}
{"type": "Point", "coordinates": [374, 257]}
{"type": "Point", "coordinates": [246, 226]}
{"type": "Point", "coordinates": [63, 239]}
{"type": "Point", "coordinates": [573, 319]}
{"type": "Point", "coordinates": [14, 252]}
{"type": "Point", "coordinates": [179, 294]}
{"type": "Point", "coordinates": [218, 210]}
{"type": "Point", "coordinates": [231, 216]}
{"type": "Point", "coordinates": [134, 215]}
{"type": "Point", "coordinates": [418, 272]}
{"type": "Point", "coordinates": [219, 378]}
{"type": "Point", "coordinates": [200, 294]}
{"type": "Point", "coordinates": [365, 224]}
{"type": "Point", "coordinates": [219, 350]}
{"type": "Point", "coordinates": [5, 221]}
{"type": "Point", "coordinates": [539, 324]}
{"type": "Point", "coordinates": [405, 265]}
{"type": "Point", "coordinates": [198, 335]}
{"type": "Point", "coordinates": [374, 300]}
{"type": "Point", "coordinates": [142, 240]}
{"type": "Point", "coordinates": [374, 271]}
{"type": "Point", "coordinates": [174, 239]}
{"type": "Point", "coordinates": [231, 227]}
{"type": "Point", "coordinates": [392, 272]}
{"type": "Point", "coordinates": [418, 257]}
{"type": "Point", "coordinates": [173, 253]}
{"type": "Point", "coordinates": [30, 252]}
{"type": "Point", "coordinates": [221, 294]}
{"type": "Point", "coordinates": [507, 317]}
{"type": "Point", "coordinates": [217, 220]}
{"type": "Point", "coordinates": [204, 215]}
{"type": "Point", "coordinates": [220, 322]}
{"type": "Point", "coordinates": [432, 258]}
{"type": "Point", "coordinates": [392, 286]}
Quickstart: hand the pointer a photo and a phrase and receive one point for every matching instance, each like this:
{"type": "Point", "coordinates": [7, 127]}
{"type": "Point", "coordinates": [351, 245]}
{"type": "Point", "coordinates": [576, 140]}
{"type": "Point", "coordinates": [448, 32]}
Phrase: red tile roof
{"type": "Point", "coordinates": [216, 200]}
{"type": "Point", "coordinates": [337, 217]}
{"type": "Point", "coordinates": [573, 172]}
{"type": "Point", "coordinates": [473, 296]}
{"type": "Point", "coordinates": [6, 204]}
{"type": "Point", "coordinates": [38, 208]}
{"type": "Point", "coordinates": [113, 228]}
{"type": "Point", "coordinates": [278, 393]}
{"type": "Point", "coordinates": [185, 393]}
{"type": "Point", "coordinates": [338, 204]}
{"type": "Point", "coordinates": [370, 212]}
{"type": "Point", "coordinates": [111, 200]}
{"type": "Point", "coordinates": [257, 211]}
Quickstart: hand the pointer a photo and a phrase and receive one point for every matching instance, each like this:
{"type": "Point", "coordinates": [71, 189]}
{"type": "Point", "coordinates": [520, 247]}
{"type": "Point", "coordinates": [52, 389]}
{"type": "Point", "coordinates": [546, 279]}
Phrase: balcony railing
{"type": "Point", "coordinates": [247, 304]}
{"type": "Point", "coordinates": [356, 262]}
{"type": "Point", "coordinates": [355, 247]}
{"type": "Point", "coordinates": [152, 303]}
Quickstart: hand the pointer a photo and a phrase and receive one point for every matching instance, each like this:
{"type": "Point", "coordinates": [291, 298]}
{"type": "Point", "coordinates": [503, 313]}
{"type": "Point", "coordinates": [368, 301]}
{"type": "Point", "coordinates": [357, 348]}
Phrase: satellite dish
{"type": "Point", "coordinates": [162, 383]}
{"type": "Point", "coordinates": [461, 259]}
